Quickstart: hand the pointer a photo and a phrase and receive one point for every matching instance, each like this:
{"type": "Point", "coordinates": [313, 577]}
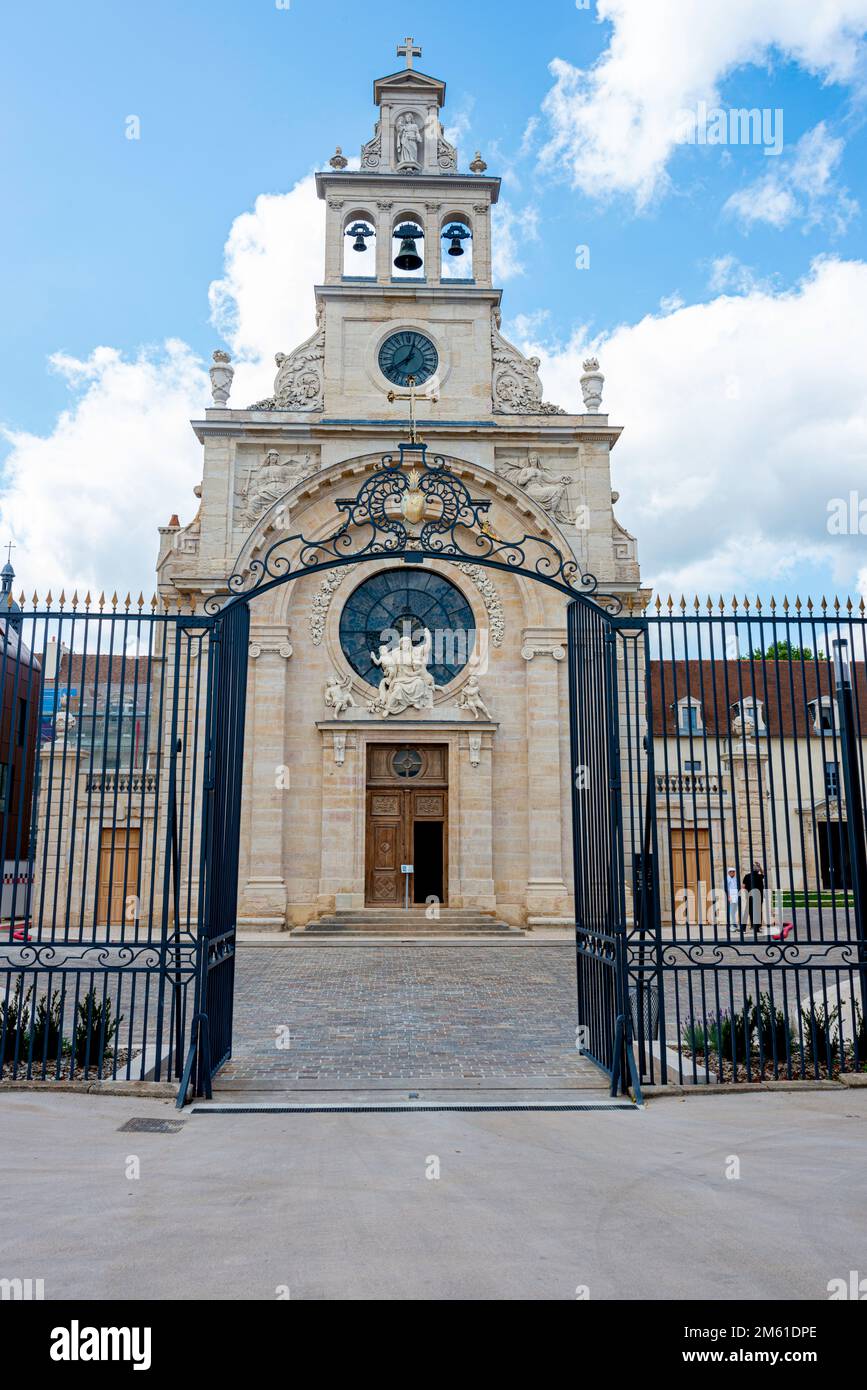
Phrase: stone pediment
{"type": "Point", "coordinates": [406, 81]}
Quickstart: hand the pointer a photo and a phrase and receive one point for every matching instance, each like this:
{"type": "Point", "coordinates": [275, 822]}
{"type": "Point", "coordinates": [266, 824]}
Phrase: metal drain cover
{"type": "Point", "coordinates": [149, 1126]}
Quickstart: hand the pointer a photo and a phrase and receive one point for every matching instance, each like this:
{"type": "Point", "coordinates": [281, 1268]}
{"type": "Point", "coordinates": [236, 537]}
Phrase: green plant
{"type": "Point", "coordinates": [14, 1021]}
{"type": "Point", "coordinates": [756, 1028]}
{"type": "Point", "coordinates": [95, 1031]}
{"type": "Point", "coordinates": [47, 1028]}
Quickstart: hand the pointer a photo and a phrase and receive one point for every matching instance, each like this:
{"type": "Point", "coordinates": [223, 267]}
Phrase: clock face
{"type": "Point", "coordinates": [408, 354]}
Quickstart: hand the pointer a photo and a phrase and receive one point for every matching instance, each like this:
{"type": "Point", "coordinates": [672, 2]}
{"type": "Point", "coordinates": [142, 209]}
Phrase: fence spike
{"type": "Point", "coordinates": [35, 599]}
{"type": "Point", "coordinates": [758, 603]}
{"type": "Point", "coordinates": [48, 600]}
{"type": "Point", "coordinates": [62, 599]}
{"type": "Point", "coordinates": [75, 600]}
{"type": "Point", "coordinates": [836, 604]}
{"type": "Point", "coordinates": [861, 608]}
{"type": "Point", "coordinates": [21, 599]}
{"type": "Point", "coordinates": [102, 601]}
{"type": "Point", "coordinates": [785, 603]}
{"type": "Point", "coordinates": [114, 601]}
{"type": "Point", "coordinates": [658, 605]}
{"type": "Point", "coordinates": [722, 604]}
{"type": "Point", "coordinates": [849, 606]}
{"type": "Point", "coordinates": [670, 604]}
{"type": "Point", "coordinates": [153, 603]}
{"type": "Point", "coordinates": [126, 603]}
{"type": "Point", "coordinates": [682, 604]}
{"type": "Point", "coordinates": [773, 604]}
{"type": "Point", "coordinates": [709, 604]}
{"type": "Point", "coordinates": [141, 600]}
{"type": "Point", "coordinates": [798, 604]}
{"type": "Point", "coordinates": [87, 601]}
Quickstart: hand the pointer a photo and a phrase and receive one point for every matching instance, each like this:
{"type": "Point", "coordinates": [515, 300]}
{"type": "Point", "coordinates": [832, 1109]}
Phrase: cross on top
{"type": "Point", "coordinates": [9, 548]}
{"type": "Point", "coordinates": [408, 49]}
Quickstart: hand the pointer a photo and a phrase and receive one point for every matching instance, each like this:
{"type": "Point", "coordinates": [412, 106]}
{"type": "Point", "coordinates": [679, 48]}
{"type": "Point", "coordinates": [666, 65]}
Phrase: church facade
{"type": "Point", "coordinates": [407, 724]}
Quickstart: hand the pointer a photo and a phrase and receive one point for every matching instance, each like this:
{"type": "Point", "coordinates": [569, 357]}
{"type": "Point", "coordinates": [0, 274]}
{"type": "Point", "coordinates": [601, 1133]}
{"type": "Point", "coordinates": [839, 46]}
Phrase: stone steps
{"type": "Point", "coordinates": [415, 922]}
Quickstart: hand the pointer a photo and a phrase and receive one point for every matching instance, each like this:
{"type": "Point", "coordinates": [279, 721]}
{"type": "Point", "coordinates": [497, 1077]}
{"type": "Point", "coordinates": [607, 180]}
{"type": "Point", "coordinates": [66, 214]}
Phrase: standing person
{"type": "Point", "coordinates": [754, 883]}
{"type": "Point", "coordinates": [733, 899]}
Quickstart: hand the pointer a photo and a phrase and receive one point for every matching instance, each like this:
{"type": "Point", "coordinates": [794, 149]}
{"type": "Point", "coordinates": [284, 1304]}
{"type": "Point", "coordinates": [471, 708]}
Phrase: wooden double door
{"type": "Point", "coordinates": [407, 824]}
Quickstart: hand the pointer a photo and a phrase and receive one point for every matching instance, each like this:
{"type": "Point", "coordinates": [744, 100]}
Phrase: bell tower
{"type": "Point", "coordinates": [408, 252]}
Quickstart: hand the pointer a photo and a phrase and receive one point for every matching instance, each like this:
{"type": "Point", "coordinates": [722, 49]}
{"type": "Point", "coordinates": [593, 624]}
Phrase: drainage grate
{"type": "Point", "coordinates": [428, 1107]}
{"type": "Point", "coordinates": [149, 1126]}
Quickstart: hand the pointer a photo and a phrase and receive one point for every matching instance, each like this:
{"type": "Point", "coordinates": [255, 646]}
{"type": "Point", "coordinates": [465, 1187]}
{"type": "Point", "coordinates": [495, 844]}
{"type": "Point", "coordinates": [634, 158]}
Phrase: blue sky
{"type": "Point", "coordinates": [114, 242]}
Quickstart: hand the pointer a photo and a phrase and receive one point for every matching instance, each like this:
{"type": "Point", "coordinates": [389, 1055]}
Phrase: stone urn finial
{"type": "Point", "coordinates": [338, 160]}
{"type": "Point", "coordinates": [222, 375]}
{"type": "Point", "coordinates": [478, 165]}
{"type": "Point", "coordinates": [592, 383]}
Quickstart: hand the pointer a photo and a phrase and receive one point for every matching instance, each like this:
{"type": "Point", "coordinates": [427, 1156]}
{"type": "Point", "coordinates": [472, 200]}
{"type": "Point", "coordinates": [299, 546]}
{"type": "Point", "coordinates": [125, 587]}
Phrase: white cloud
{"type": "Point", "coordinates": [730, 275]}
{"type": "Point", "coordinates": [800, 185]}
{"type": "Point", "coordinates": [614, 126]}
{"type": "Point", "coordinates": [84, 502]}
{"type": "Point", "coordinates": [744, 416]}
{"type": "Point", "coordinates": [264, 303]}
{"type": "Point", "coordinates": [509, 229]}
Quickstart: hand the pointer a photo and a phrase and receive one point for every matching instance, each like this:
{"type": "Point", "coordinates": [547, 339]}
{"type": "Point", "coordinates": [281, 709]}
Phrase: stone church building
{"type": "Point", "coordinates": [434, 770]}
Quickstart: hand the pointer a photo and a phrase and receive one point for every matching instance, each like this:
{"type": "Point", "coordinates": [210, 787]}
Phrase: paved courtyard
{"type": "Point", "coordinates": [308, 1017]}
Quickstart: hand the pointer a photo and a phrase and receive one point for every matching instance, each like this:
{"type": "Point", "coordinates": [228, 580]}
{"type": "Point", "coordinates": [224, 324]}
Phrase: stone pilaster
{"type": "Point", "coordinates": [264, 896]}
{"type": "Point", "coordinates": [341, 882]}
{"type": "Point", "coordinates": [543, 650]}
{"type": "Point", "coordinates": [475, 774]}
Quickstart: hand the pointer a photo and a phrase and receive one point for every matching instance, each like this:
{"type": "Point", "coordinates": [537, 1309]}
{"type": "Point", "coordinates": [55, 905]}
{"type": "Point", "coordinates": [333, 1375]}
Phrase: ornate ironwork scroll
{"type": "Point", "coordinates": [412, 506]}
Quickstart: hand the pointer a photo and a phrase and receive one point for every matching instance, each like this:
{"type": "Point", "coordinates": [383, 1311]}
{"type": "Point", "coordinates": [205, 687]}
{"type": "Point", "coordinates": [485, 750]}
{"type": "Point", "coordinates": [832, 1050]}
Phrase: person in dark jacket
{"type": "Point", "coordinates": [754, 883]}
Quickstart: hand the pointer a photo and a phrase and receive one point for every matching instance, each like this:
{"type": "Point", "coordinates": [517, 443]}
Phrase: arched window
{"type": "Point", "coordinates": [408, 248]}
{"type": "Point", "coordinates": [359, 246]}
{"type": "Point", "coordinates": [457, 249]}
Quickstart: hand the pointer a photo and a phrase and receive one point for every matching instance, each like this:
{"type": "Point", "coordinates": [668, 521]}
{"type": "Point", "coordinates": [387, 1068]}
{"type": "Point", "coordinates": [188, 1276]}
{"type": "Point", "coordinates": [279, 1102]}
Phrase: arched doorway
{"type": "Point", "coordinates": [416, 510]}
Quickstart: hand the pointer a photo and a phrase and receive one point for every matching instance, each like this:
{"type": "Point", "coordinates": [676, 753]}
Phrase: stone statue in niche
{"type": "Point", "coordinates": [338, 695]}
{"type": "Point", "coordinates": [273, 480]}
{"type": "Point", "coordinates": [547, 490]}
{"type": "Point", "coordinates": [470, 699]}
{"type": "Point", "coordinates": [406, 681]}
{"type": "Point", "coordinates": [409, 139]}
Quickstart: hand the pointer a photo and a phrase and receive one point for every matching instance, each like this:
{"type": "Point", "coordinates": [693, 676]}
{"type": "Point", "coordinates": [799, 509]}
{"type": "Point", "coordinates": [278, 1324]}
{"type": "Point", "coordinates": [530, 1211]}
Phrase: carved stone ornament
{"type": "Point", "coordinates": [322, 603]}
{"type": "Point", "coordinates": [491, 598]}
{"type": "Point", "coordinates": [592, 383]}
{"type": "Point", "coordinates": [409, 140]}
{"type": "Point", "coordinates": [222, 374]}
{"type": "Point", "coordinates": [270, 482]}
{"type": "Point", "coordinates": [550, 491]}
{"type": "Point", "coordinates": [300, 381]}
{"type": "Point", "coordinates": [338, 695]}
{"type": "Point", "coordinates": [371, 153]}
{"type": "Point", "coordinates": [516, 388]}
{"type": "Point", "coordinates": [447, 155]}
{"type": "Point", "coordinates": [475, 750]}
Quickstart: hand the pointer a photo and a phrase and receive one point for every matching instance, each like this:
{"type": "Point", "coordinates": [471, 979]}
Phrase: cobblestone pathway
{"type": "Point", "coordinates": [306, 1015]}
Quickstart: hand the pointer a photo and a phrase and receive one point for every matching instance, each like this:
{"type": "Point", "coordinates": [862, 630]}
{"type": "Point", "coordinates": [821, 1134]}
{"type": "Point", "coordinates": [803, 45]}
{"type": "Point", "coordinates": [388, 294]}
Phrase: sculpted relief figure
{"type": "Point", "coordinates": [548, 490]}
{"type": "Point", "coordinates": [274, 478]}
{"type": "Point", "coordinates": [406, 682]}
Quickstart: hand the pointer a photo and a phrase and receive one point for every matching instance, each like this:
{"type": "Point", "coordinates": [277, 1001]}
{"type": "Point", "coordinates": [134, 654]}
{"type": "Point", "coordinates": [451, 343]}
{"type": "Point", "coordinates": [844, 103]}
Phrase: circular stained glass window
{"type": "Point", "coordinates": [397, 603]}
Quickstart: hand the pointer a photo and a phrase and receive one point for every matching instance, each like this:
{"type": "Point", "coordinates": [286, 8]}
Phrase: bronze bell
{"type": "Point", "coordinates": [456, 234]}
{"type": "Point", "coordinates": [408, 258]}
{"type": "Point", "coordinates": [361, 232]}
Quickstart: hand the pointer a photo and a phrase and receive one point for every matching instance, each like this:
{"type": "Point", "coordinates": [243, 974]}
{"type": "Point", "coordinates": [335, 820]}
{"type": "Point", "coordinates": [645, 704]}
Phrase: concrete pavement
{"type": "Point", "coordinates": [631, 1204]}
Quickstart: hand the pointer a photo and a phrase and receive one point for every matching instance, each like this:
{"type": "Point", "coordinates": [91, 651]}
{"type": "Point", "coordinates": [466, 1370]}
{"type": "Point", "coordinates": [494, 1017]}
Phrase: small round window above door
{"type": "Point", "coordinates": [407, 763]}
{"type": "Point", "coordinates": [407, 602]}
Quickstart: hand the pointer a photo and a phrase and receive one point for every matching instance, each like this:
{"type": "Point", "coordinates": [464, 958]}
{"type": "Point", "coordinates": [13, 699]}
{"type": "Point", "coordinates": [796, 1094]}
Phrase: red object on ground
{"type": "Point", "coordinates": [787, 929]}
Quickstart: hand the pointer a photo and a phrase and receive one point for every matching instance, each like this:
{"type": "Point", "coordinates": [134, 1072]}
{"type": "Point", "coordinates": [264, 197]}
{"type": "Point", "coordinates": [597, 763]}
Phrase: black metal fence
{"type": "Point", "coordinates": [103, 768]}
{"type": "Point", "coordinates": [742, 768]}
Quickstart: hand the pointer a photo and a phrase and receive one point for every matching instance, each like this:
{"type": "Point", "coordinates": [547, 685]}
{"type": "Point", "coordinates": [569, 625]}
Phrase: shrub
{"type": "Point", "coordinates": [47, 1028]}
{"type": "Point", "coordinates": [14, 1021]}
{"type": "Point", "coordinates": [95, 1031]}
{"type": "Point", "coordinates": [821, 1034]}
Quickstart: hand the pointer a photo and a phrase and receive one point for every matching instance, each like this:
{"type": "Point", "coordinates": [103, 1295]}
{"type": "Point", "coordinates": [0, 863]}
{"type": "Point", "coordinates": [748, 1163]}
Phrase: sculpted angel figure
{"type": "Point", "coordinates": [338, 695]}
{"type": "Point", "coordinates": [406, 682]}
{"type": "Point", "coordinates": [470, 699]}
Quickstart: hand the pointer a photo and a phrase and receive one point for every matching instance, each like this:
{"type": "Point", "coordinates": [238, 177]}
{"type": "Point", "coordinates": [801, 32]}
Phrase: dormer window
{"type": "Point", "coordinates": [822, 713]}
{"type": "Point", "coordinates": [689, 717]}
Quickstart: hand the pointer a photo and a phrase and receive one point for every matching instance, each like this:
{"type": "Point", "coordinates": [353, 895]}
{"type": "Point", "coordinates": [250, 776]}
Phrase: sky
{"type": "Point", "coordinates": [717, 269]}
